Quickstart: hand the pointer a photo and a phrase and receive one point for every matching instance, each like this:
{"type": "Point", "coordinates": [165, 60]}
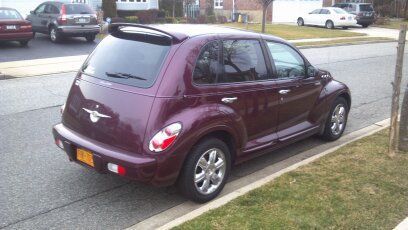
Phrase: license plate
{"type": "Point", "coordinates": [83, 20]}
{"type": "Point", "coordinates": [11, 27]}
{"type": "Point", "coordinates": [85, 157]}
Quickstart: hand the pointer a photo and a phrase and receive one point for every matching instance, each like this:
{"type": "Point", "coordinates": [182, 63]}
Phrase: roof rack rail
{"type": "Point", "coordinates": [178, 37]}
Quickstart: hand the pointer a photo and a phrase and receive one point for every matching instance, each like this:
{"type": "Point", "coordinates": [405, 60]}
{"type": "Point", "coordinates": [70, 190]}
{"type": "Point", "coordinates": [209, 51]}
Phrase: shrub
{"type": "Point", "coordinates": [211, 19]}
{"type": "Point", "coordinates": [132, 19]}
{"type": "Point", "coordinates": [147, 16]}
{"type": "Point", "coordinates": [222, 19]}
{"type": "Point", "coordinates": [118, 20]}
{"type": "Point", "coordinates": [170, 20]}
{"type": "Point", "coordinates": [202, 19]}
{"type": "Point", "coordinates": [181, 20]}
{"type": "Point", "coordinates": [109, 8]}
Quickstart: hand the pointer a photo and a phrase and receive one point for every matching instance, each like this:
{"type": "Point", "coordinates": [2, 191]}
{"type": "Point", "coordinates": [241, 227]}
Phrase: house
{"type": "Point", "coordinates": [279, 11]}
{"type": "Point", "coordinates": [25, 6]}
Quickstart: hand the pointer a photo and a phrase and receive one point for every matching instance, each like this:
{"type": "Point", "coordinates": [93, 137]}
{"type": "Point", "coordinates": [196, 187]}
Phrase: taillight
{"type": "Point", "coordinates": [118, 169]}
{"type": "Point", "coordinates": [62, 20]}
{"type": "Point", "coordinates": [165, 138]}
{"type": "Point", "coordinates": [62, 108]}
{"type": "Point", "coordinates": [26, 27]}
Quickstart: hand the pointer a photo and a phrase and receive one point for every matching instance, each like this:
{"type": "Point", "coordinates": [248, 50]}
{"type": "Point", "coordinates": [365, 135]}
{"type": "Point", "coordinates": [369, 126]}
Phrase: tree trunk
{"type": "Point", "coordinates": [403, 129]}
{"type": "Point", "coordinates": [174, 8]}
{"type": "Point", "coordinates": [393, 145]}
{"type": "Point", "coordinates": [265, 8]}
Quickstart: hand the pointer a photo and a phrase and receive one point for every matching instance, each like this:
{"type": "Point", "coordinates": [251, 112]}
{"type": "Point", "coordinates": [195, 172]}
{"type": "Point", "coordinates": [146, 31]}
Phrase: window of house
{"type": "Point", "coordinates": [208, 65]}
{"type": "Point", "coordinates": [243, 60]}
{"type": "Point", "coordinates": [218, 4]}
{"type": "Point", "coordinates": [288, 62]}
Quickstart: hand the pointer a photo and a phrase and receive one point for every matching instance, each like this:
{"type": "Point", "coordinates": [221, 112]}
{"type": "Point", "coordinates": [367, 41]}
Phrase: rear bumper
{"type": "Point", "coordinates": [367, 21]}
{"type": "Point", "coordinates": [79, 30]}
{"type": "Point", "coordinates": [16, 36]}
{"type": "Point", "coordinates": [346, 23]}
{"type": "Point", "coordinates": [138, 167]}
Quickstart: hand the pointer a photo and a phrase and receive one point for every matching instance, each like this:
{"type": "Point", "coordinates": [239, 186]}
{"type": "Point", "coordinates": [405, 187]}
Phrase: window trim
{"type": "Point", "coordinates": [219, 7]}
{"type": "Point", "coordinates": [269, 68]}
{"type": "Point", "coordinates": [305, 61]}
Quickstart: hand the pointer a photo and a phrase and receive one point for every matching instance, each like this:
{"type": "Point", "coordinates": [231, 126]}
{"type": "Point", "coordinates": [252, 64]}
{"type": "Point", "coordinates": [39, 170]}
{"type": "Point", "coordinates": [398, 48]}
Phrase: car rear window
{"type": "Point", "coordinates": [78, 9]}
{"type": "Point", "coordinates": [134, 61]}
{"type": "Point", "coordinates": [366, 7]}
{"type": "Point", "coordinates": [339, 11]}
{"type": "Point", "coordinates": [9, 14]}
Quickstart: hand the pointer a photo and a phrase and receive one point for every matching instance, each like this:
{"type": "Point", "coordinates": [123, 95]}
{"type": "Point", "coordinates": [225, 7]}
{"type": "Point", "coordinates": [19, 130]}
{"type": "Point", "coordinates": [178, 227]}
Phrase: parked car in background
{"type": "Point", "coordinates": [364, 11]}
{"type": "Point", "coordinates": [184, 103]}
{"type": "Point", "coordinates": [59, 20]}
{"type": "Point", "coordinates": [13, 27]}
{"type": "Point", "coordinates": [329, 17]}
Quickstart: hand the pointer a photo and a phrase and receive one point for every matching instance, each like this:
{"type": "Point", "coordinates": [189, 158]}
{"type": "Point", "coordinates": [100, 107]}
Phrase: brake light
{"type": "Point", "coordinates": [62, 20]}
{"type": "Point", "coordinates": [26, 27]}
{"type": "Point", "coordinates": [165, 138]}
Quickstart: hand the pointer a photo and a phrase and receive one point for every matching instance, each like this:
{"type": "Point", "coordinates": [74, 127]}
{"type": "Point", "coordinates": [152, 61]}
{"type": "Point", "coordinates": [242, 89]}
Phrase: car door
{"type": "Point", "coordinates": [241, 84]}
{"type": "Point", "coordinates": [311, 18]}
{"type": "Point", "coordinates": [34, 17]}
{"type": "Point", "coordinates": [297, 93]}
{"type": "Point", "coordinates": [323, 17]}
{"type": "Point", "coordinates": [45, 18]}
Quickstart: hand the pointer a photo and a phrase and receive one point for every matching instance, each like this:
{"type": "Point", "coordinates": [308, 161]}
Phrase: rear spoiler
{"type": "Point", "coordinates": [177, 37]}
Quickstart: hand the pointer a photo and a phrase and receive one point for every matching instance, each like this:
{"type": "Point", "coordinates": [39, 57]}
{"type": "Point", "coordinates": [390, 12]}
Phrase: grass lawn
{"type": "Point", "coordinates": [356, 187]}
{"type": "Point", "coordinates": [392, 24]}
{"type": "Point", "coordinates": [290, 32]}
{"type": "Point", "coordinates": [344, 41]}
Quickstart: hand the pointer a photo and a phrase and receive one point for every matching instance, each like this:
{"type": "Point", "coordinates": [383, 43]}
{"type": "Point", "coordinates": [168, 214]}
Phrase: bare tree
{"type": "Point", "coordinates": [265, 5]}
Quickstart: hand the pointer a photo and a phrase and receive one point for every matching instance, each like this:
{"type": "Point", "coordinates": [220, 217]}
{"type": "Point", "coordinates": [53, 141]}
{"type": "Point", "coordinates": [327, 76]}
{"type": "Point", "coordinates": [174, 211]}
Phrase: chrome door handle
{"type": "Point", "coordinates": [229, 99]}
{"type": "Point", "coordinates": [284, 91]}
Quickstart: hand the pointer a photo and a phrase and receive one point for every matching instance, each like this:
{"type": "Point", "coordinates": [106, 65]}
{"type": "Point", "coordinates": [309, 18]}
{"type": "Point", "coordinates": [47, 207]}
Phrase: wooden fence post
{"type": "Point", "coordinates": [396, 88]}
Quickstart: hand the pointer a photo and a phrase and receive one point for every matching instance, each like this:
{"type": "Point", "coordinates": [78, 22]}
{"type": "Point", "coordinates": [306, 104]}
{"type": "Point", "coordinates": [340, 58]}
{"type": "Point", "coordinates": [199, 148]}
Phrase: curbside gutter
{"type": "Point", "coordinates": [190, 210]}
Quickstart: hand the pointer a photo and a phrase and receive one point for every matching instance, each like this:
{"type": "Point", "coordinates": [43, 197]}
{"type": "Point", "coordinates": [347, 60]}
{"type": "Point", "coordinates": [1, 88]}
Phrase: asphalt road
{"type": "Point", "coordinates": [40, 189]}
{"type": "Point", "coordinates": [42, 47]}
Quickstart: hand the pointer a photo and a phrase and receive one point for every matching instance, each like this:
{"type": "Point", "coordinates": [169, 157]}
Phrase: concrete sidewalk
{"type": "Point", "coordinates": [38, 67]}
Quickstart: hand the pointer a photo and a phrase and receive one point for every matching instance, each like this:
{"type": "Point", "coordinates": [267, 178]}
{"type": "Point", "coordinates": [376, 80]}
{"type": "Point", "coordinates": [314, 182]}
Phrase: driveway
{"type": "Point", "coordinates": [377, 32]}
{"type": "Point", "coordinates": [41, 47]}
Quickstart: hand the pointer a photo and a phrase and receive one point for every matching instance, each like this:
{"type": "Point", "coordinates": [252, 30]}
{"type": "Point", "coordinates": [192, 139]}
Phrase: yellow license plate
{"type": "Point", "coordinates": [85, 156]}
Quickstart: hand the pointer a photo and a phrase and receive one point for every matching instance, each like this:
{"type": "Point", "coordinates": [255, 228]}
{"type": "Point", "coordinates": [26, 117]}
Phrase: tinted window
{"type": "Point", "coordinates": [324, 11]}
{"type": "Point", "coordinates": [9, 14]}
{"type": "Point", "coordinates": [339, 11]}
{"type": "Point", "coordinates": [54, 10]}
{"type": "Point", "coordinates": [130, 62]}
{"type": "Point", "coordinates": [78, 9]}
{"type": "Point", "coordinates": [366, 8]}
{"type": "Point", "coordinates": [316, 11]}
{"type": "Point", "coordinates": [243, 61]}
{"type": "Point", "coordinates": [40, 9]}
{"type": "Point", "coordinates": [288, 62]}
{"type": "Point", "coordinates": [205, 71]}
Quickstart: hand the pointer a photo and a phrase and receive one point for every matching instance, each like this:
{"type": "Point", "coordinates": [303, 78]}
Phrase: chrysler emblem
{"type": "Point", "coordinates": [95, 115]}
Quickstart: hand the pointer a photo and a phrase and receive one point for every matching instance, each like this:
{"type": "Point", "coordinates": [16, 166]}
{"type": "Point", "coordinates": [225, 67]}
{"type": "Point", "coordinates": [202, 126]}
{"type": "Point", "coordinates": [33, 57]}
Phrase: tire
{"type": "Point", "coordinates": [335, 123]}
{"type": "Point", "coordinates": [207, 174]}
{"type": "Point", "coordinates": [329, 24]}
{"type": "Point", "coordinates": [300, 22]}
{"type": "Point", "coordinates": [90, 38]}
{"type": "Point", "coordinates": [55, 36]}
{"type": "Point", "coordinates": [345, 27]}
{"type": "Point", "coordinates": [364, 25]}
{"type": "Point", "coordinates": [24, 43]}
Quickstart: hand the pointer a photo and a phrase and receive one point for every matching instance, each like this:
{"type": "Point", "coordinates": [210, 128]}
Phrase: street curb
{"type": "Point", "coordinates": [345, 44]}
{"type": "Point", "coordinates": [190, 210]}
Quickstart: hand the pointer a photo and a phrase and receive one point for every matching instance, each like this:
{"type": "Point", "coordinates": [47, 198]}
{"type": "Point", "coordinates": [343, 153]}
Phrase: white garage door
{"type": "Point", "coordinates": [290, 10]}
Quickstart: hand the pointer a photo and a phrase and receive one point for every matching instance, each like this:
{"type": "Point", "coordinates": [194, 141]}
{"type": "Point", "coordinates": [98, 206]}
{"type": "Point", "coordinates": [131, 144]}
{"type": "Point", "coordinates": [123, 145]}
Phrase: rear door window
{"type": "Point", "coordinates": [366, 7]}
{"type": "Point", "coordinates": [243, 60]}
{"type": "Point", "coordinates": [208, 65]}
{"type": "Point", "coordinates": [78, 9]}
{"type": "Point", "coordinates": [134, 62]}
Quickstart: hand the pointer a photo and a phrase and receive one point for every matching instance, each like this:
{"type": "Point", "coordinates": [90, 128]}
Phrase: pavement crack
{"type": "Point", "coordinates": [62, 206]}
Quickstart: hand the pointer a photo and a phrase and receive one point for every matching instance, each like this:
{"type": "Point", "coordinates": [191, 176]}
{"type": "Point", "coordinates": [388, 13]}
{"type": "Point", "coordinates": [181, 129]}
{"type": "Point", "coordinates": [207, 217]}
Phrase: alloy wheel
{"type": "Point", "coordinates": [210, 171]}
{"type": "Point", "coordinates": [338, 119]}
{"type": "Point", "coordinates": [53, 35]}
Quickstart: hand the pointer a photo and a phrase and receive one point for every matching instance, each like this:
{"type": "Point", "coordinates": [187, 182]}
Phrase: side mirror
{"type": "Point", "coordinates": [311, 71]}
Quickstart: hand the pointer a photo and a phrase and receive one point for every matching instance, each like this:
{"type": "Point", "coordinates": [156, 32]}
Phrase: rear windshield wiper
{"type": "Point", "coordinates": [124, 75]}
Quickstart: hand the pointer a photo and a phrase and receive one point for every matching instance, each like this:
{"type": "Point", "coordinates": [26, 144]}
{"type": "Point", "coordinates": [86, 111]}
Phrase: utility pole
{"type": "Point", "coordinates": [396, 86]}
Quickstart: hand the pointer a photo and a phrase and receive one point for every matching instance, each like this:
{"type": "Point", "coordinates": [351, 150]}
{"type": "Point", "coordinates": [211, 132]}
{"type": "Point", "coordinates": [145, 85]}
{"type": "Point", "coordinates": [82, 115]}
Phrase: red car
{"type": "Point", "coordinates": [182, 104]}
{"type": "Point", "coordinates": [13, 27]}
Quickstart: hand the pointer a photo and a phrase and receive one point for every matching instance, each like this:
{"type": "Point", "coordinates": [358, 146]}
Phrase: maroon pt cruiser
{"type": "Point", "coordinates": [182, 104]}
